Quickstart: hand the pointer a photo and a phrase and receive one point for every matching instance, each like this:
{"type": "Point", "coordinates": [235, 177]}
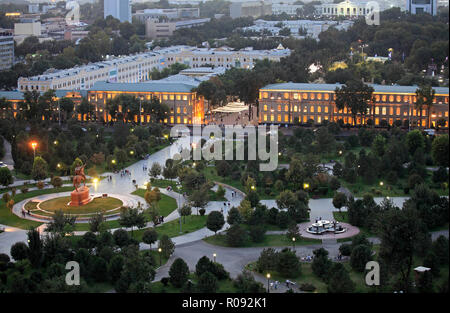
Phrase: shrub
{"type": "Point", "coordinates": [165, 281]}
{"type": "Point", "coordinates": [345, 249]}
{"type": "Point", "coordinates": [307, 287]}
{"type": "Point", "coordinates": [257, 233]}
{"type": "Point", "coordinates": [236, 236]}
{"type": "Point", "coordinates": [202, 212]}
{"type": "Point", "coordinates": [178, 273]}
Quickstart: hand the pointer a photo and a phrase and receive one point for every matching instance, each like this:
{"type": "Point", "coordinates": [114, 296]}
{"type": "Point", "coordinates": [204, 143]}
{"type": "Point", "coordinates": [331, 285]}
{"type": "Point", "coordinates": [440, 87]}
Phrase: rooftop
{"type": "Point", "coordinates": [332, 87]}
{"type": "Point", "coordinates": [152, 86]}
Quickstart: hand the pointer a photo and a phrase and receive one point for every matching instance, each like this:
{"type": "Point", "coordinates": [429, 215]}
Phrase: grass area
{"type": "Point", "coordinates": [172, 228]}
{"type": "Point", "coordinates": [85, 226]}
{"type": "Point", "coordinates": [10, 219]}
{"type": "Point", "coordinates": [164, 183]}
{"type": "Point", "coordinates": [359, 188]}
{"type": "Point", "coordinates": [269, 241]}
{"type": "Point", "coordinates": [96, 205]}
{"type": "Point", "coordinates": [166, 205]}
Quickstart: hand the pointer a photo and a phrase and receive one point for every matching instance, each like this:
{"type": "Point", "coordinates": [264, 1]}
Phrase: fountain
{"type": "Point", "coordinates": [323, 226]}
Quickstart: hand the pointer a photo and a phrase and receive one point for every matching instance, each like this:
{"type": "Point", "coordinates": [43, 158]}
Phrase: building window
{"type": "Point", "coordinates": [265, 107]}
{"type": "Point", "coordinates": [286, 108]}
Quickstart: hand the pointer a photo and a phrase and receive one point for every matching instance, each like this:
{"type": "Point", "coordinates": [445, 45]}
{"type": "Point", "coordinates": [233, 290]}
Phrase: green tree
{"type": "Point", "coordinates": [19, 251]}
{"type": "Point", "coordinates": [166, 245]}
{"type": "Point", "coordinates": [215, 221]}
{"type": "Point", "coordinates": [150, 236]}
{"type": "Point", "coordinates": [339, 281]}
{"type": "Point", "coordinates": [40, 169]}
{"type": "Point", "coordinates": [288, 264]}
{"type": "Point", "coordinates": [131, 217]}
{"type": "Point", "coordinates": [361, 254]}
{"type": "Point", "coordinates": [236, 236]}
{"type": "Point", "coordinates": [356, 96]}
{"type": "Point", "coordinates": [425, 97]}
{"type": "Point", "coordinates": [207, 283]}
{"type": "Point", "coordinates": [234, 217]}
{"type": "Point", "coordinates": [321, 264]}
{"type": "Point", "coordinates": [178, 273]}
{"type": "Point", "coordinates": [339, 200]}
{"type": "Point", "coordinates": [440, 151]}
{"type": "Point", "coordinates": [414, 141]}
{"type": "Point", "coordinates": [6, 177]}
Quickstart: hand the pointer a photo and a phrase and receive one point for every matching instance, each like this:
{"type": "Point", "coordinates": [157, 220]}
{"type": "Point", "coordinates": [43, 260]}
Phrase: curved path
{"type": "Point", "coordinates": [190, 246]}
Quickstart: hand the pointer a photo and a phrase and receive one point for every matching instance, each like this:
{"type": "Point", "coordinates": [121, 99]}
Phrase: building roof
{"type": "Point", "coordinates": [18, 95]}
{"type": "Point", "coordinates": [152, 86]}
{"type": "Point", "coordinates": [332, 87]}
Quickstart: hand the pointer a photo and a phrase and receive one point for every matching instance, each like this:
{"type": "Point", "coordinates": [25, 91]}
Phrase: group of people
{"type": "Point", "coordinates": [109, 178]}
{"type": "Point", "coordinates": [124, 173]}
{"type": "Point", "coordinates": [159, 220]}
{"type": "Point", "coordinates": [307, 258]}
{"type": "Point", "coordinates": [144, 167]}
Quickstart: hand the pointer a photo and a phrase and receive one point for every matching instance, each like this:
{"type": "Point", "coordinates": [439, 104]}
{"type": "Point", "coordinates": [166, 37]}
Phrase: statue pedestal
{"type": "Point", "coordinates": [80, 197]}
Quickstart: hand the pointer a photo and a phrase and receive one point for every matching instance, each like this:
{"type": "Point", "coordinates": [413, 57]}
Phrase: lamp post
{"type": "Point", "coordinates": [160, 251]}
{"type": "Point", "coordinates": [179, 204]}
{"type": "Point", "coordinates": [293, 243]}
{"type": "Point", "coordinates": [268, 281]}
{"type": "Point", "coordinates": [214, 257]}
{"type": "Point", "coordinates": [34, 145]}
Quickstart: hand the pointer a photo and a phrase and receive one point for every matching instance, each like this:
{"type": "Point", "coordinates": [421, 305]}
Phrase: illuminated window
{"type": "Point", "coordinates": [165, 97]}
{"type": "Point", "coordinates": [295, 108]}
{"type": "Point", "coordinates": [313, 96]}
{"type": "Point", "coordinates": [185, 120]}
{"type": "Point", "coordinates": [272, 118]}
{"type": "Point", "coordinates": [286, 95]}
{"type": "Point", "coordinates": [265, 107]}
{"type": "Point", "coordinates": [172, 97]}
{"type": "Point", "coordinates": [319, 119]}
{"type": "Point", "coordinates": [391, 98]}
{"type": "Point", "coordinates": [265, 95]}
{"type": "Point", "coordinates": [305, 96]}
{"type": "Point", "coordinates": [311, 109]}
{"type": "Point", "coordinates": [279, 117]}
{"type": "Point", "coordinates": [184, 110]}
{"type": "Point", "coordinates": [326, 109]}
{"type": "Point", "coordinates": [384, 98]}
{"type": "Point", "coordinates": [398, 111]}
{"type": "Point", "coordinates": [391, 111]}
{"type": "Point", "coordinates": [185, 98]}
{"type": "Point", "coordinates": [327, 96]}
{"type": "Point", "coordinates": [377, 121]}
{"type": "Point", "coordinates": [286, 118]}
{"type": "Point", "coordinates": [286, 108]}
{"type": "Point", "coordinates": [319, 96]}
{"type": "Point", "coordinates": [295, 96]}
{"type": "Point", "coordinates": [178, 110]}
{"type": "Point", "coordinates": [305, 119]}
{"type": "Point", "coordinates": [265, 117]}
{"type": "Point", "coordinates": [178, 119]}
{"type": "Point", "coordinates": [319, 109]}
{"type": "Point", "coordinates": [377, 98]}
{"type": "Point", "coordinates": [171, 119]}
{"type": "Point", "coordinates": [424, 112]}
{"type": "Point", "coordinates": [279, 108]}
{"type": "Point", "coordinates": [383, 110]}
{"type": "Point", "coordinates": [178, 97]}
{"type": "Point", "coordinates": [399, 98]}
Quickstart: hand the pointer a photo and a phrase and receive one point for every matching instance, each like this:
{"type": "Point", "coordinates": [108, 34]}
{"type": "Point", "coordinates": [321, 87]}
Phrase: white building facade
{"type": "Point", "coordinates": [421, 6]}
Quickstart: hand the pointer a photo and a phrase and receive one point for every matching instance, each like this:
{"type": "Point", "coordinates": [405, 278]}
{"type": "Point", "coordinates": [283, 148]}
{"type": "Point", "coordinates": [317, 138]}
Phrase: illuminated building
{"type": "Point", "coordinates": [294, 103]}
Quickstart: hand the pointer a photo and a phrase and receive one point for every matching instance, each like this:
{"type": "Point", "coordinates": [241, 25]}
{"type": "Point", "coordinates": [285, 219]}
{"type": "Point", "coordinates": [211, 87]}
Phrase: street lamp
{"type": "Point", "coordinates": [113, 161]}
{"type": "Point", "coordinates": [55, 142]}
{"type": "Point", "coordinates": [34, 145]}
{"type": "Point", "coordinates": [253, 187]}
{"type": "Point", "coordinates": [214, 256]}
{"type": "Point", "coordinates": [381, 183]}
{"type": "Point", "coordinates": [179, 204]}
{"type": "Point", "coordinates": [293, 243]}
{"type": "Point", "coordinates": [160, 251]}
{"type": "Point", "coordinates": [305, 186]}
{"type": "Point", "coordinates": [268, 281]}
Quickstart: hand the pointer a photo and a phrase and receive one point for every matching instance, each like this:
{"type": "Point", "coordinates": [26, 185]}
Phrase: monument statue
{"type": "Point", "coordinates": [79, 196]}
{"type": "Point", "coordinates": [79, 177]}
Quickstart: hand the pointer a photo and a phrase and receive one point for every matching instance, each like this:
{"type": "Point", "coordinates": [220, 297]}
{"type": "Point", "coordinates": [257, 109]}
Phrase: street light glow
{"type": "Point", "coordinates": [305, 186]}
{"type": "Point", "coordinates": [34, 144]}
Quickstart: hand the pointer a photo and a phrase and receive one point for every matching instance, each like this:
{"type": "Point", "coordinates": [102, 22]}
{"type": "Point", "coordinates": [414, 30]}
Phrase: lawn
{"type": "Point", "coordinates": [96, 205]}
{"type": "Point", "coordinates": [269, 241]}
{"type": "Point", "coordinates": [166, 205]}
{"type": "Point", "coordinates": [10, 219]}
{"type": "Point", "coordinates": [172, 228]}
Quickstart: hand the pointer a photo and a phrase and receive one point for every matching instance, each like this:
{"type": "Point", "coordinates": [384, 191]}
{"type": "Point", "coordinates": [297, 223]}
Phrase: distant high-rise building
{"type": "Point", "coordinates": [254, 9]}
{"type": "Point", "coordinates": [119, 9]}
{"type": "Point", "coordinates": [421, 6]}
{"type": "Point", "coordinates": [6, 51]}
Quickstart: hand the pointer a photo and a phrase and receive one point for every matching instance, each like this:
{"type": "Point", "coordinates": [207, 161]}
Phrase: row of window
{"type": "Point", "coordinates": [164, 97]}
{"type": "Point", "coordinates": [319, 119]}
{"type": "Point", "coordinates": [327, 96]}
